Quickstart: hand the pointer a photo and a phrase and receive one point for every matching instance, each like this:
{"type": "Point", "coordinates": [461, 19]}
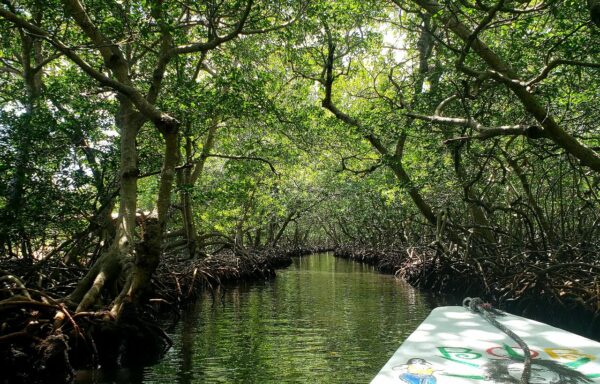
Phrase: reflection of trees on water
{"type": "Point", "coordinates": [542, 372]}
{"type": "Point", "coordinates": [190, 321]}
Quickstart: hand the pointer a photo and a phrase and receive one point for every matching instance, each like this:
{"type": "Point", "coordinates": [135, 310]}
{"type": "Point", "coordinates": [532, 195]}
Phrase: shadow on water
{"type": "Point", "coordinates": [322, 320]}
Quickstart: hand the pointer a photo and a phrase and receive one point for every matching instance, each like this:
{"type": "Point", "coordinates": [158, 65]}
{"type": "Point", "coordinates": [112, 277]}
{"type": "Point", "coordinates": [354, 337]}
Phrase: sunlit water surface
{"type": "Point", "coordinates": [323, 320]}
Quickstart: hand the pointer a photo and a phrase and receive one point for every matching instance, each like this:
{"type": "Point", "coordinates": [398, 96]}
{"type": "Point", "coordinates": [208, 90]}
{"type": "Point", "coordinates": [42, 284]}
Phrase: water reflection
{"type": "Point", "coordinates": [323, 320]}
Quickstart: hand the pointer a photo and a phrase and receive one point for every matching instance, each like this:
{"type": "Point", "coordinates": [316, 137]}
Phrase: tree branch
{"type": "Point", "coordinates": [502, 71]}
{"type": "Point", "coordinates": [270, 29]}
{"type": "Point", "coordinates": [531, 131]}
{"type": "Point", "coordinates": [362, 172]}
{"type": "Point", "coordinates": [217, 40]}
{"type": "Point", "coordinates": [555, 63]}
{"type": "Point", "coordinates": [163, 121]}
{"type": "Point", "coordinates": [254, 158]}
{"type": "Point", "coordinates": [46, 61]}
{"type": "Point", "coordinates": [112, 55]}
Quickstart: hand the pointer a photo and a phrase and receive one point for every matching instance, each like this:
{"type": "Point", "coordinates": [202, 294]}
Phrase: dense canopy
{"type": "Point", "coordinates": [134, 131]}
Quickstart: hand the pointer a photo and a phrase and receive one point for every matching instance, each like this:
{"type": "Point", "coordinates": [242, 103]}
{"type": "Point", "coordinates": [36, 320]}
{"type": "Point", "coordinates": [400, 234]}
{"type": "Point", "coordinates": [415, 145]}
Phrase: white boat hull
{"type": "Point", "coordinates": [455, 346]}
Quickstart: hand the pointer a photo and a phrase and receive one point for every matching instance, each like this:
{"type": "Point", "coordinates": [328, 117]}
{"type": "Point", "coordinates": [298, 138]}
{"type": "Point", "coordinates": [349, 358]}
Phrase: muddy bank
{"type": "Point", "coordinates": [564, 294]}
{"type": "Point", "coordinates": [42, 338]}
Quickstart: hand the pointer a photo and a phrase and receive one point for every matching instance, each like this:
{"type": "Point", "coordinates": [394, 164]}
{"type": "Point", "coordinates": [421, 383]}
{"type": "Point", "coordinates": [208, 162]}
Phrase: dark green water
{"type": "Point", "coordinates": [323, 320]}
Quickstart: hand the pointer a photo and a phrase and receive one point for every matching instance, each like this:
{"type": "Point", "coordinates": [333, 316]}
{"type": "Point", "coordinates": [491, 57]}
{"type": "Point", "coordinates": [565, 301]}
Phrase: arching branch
{"type": "Point", "coordinates": [253, 158]}
{"type": "Point", "coordinates": [556, 63]}
{"type": "Point", "coordinates": [217, 40]}
{"type": "Point", "coordinates": [531, 131]}
{"type": "Point", "coordinates": [501, 71]}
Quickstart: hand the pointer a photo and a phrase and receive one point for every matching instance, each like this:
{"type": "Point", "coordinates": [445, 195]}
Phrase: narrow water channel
{"type": "Point", "coordinates": [323, 320]}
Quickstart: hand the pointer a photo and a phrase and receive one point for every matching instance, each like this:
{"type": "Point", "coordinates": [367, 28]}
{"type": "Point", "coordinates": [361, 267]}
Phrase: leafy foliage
{"type": "Point", "coordinates": [271, 159]}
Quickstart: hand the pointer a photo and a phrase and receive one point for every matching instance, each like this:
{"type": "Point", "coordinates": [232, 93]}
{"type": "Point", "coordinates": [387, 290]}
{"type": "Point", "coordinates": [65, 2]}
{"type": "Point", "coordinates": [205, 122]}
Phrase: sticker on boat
{"type": "Point", "coordinates": [456, 346]}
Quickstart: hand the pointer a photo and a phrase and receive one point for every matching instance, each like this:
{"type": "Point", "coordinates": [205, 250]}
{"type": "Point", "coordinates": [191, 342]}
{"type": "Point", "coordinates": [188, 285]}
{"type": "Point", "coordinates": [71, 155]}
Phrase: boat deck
{"type": "Point", "coordinates": [455, 346]}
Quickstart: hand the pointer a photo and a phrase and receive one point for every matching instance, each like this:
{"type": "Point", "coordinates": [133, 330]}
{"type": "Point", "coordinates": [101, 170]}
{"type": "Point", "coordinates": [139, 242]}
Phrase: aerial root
{"type": "Point", "coordinates": [522, 283]}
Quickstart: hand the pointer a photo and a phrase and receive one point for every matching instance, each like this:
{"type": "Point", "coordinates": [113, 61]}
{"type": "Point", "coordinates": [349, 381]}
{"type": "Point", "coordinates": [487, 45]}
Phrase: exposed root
{"type": "Point", "coordinates": [565, 293]}
{"type": "Point", "coordinates": [178, 282]}
{"type": "Point", "coordinates": [41, 337]}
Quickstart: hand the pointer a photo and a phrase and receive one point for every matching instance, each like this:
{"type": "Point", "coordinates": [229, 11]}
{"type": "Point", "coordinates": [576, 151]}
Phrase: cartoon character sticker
{"type": "Point", "coordinates": [417, 371]}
